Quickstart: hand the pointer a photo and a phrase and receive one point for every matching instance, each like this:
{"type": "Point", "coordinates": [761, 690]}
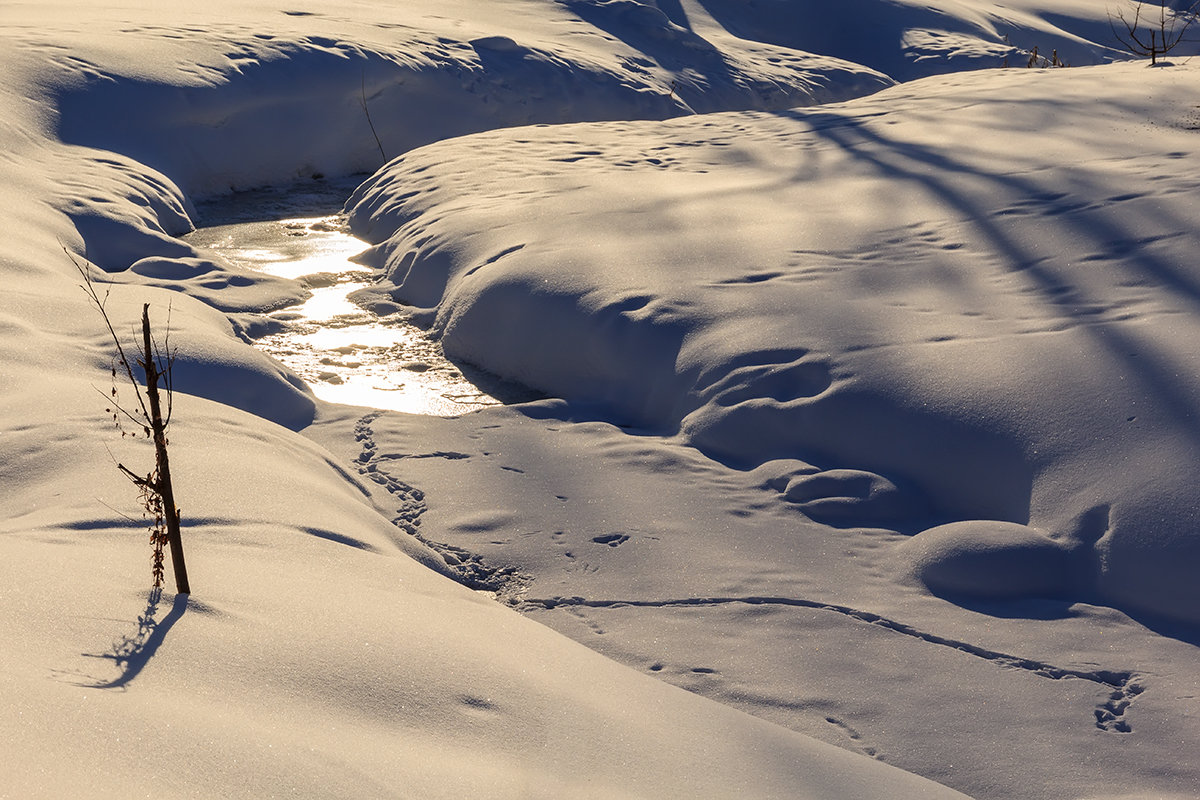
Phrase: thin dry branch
{"type": "Point", "coordinates": [89, 288]}
{"type": "Point", "coordinates": [367, 111]}
{"type": "Point", "coordinates": [155, 489]}
{"type": "Point", "coordinates": [1153, 38]}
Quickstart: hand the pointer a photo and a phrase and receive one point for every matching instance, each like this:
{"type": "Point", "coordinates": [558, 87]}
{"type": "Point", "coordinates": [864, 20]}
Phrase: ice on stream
{"type": "Point", "coordinates": [345, 353]}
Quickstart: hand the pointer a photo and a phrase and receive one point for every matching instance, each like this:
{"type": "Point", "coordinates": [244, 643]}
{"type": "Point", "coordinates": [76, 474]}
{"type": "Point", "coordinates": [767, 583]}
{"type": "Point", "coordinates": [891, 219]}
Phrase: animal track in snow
{"type": "Point", "coordinates": [612, 539]}
{"type": "Point", "coordinates": [494, 259]}
{"type": "Point", "coordinates": [853, 735]}
{"type": "Point", "coordinates": [591, 624]}
{"type": "Point", "coordinates": [468, 568]}
{"type": "Point", "coordinates": [1110, 714]}
{"type": "Point", "coordinates": [449, 455]}
{"type": "Point", "coordinates": [412, 499]}
{"type": "Point", "coordinates": [751, 277]}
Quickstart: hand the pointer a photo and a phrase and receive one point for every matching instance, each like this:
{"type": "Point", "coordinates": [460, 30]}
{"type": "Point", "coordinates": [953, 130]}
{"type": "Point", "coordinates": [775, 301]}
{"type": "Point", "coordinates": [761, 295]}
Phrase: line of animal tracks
{"type": "Point", "coordinates": [1110, 713]}
{"type": "Point", "coordinates": [1121, 687]}
{"type": "Point", "coordinates": [466, 567]}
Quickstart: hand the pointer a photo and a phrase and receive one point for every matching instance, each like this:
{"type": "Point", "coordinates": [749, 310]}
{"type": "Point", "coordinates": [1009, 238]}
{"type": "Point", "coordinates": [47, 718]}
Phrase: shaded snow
{"type": "Point", "coordinates": [874, 419]}
{"type": "Point", "coordinates": [990, 327]}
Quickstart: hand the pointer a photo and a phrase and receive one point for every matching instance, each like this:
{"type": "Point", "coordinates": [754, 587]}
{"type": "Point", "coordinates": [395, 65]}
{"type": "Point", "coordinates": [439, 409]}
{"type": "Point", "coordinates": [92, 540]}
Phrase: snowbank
{"type": "Point", "coordinates": [962, 301]}
{"type": "Point", "coordinates": [321, 95]}
{"type": "Point", "coordinates": [316, 657]}
{"type": "Point", "coordinates": [909, 39]}
{"type": "Point", "coordinates": [322, 654]}
{"type": "Point", "coordinates": [976, 288]}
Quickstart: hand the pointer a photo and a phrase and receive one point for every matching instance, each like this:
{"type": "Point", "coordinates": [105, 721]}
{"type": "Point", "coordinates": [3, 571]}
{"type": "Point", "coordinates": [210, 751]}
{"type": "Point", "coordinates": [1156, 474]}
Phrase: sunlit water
{"type": "Point", "coordinates": [345, 353]}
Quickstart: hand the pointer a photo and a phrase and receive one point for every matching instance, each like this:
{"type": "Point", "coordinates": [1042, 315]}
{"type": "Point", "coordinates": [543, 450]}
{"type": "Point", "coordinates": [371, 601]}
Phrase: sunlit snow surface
{"type": "Point", "coordinates": [777, 339]}
{"type": "Point", "coordinates": [346, 354]}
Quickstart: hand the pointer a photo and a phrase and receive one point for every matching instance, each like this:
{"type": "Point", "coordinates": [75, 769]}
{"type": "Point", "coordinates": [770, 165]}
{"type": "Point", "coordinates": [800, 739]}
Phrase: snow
{"type": "Point", "coordinates": [866, 464]}
{"type": "Point", "coordinates": [903, 279]}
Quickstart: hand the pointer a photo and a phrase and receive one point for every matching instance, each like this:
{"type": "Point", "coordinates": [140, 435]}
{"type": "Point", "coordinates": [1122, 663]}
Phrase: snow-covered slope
{"type": "Point", "coordinates": [976, 286]}
{"type": "Point", "coordinates": [320, 655]}
{"type": "Point", "coordinates": [960, 309]}
{"type": "Point", "coordinates": [907, 39]}
{"type": "Point", "coordinates": [315, 658]}
{"type": "Point", "coordinates": [788, 339]}
{"type": "Point", "coordinates": [349, 90]}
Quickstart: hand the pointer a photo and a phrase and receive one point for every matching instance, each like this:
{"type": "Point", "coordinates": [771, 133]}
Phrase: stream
{"type": "Point", "coordinates": [344, 353]}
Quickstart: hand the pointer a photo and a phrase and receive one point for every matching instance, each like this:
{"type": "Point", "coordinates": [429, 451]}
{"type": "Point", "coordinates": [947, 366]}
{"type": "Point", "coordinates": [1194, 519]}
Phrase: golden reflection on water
{"type": "Point", "coordinates": [344, 353]}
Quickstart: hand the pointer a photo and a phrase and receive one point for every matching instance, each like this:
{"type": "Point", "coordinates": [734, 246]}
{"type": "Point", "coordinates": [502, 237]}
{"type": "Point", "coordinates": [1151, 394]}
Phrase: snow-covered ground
{"type": "Point", "coordinates": [872, 414]}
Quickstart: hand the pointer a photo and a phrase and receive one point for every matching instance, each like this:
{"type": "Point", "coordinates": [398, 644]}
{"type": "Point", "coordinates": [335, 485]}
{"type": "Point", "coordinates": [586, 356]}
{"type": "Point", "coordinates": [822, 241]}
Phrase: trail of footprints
{"type": "Point", "coordinates": [466, 567]}
{"type": "Point", "coordinates": [1109, 714]}
{"type": "Point", "coordinates": [853, 735]}
{"type": "Point", "coordinates": [471, 570]}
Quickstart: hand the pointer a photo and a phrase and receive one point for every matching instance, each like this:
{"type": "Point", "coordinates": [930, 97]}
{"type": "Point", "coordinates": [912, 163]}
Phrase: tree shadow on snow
{"type": "Point", "coordinates": [1101, 230]}
{"type": "Point", "coordinates": [662, 34]}
{"type": "Point", "coordinates": [133, 652]}
{"type": "Point", "coordinates": [1094, 225]}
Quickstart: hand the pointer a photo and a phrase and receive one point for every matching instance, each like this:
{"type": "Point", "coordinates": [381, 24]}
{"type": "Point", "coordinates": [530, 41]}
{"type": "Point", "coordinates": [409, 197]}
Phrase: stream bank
{"type": "Point", "coordinates": [346, 354]}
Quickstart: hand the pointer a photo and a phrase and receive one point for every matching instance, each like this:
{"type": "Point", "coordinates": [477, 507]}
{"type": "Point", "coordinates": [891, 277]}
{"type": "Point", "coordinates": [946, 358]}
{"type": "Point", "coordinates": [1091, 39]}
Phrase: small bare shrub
{"type": "Point", "coordinates": [1151, 27]}
{"type": "Point", "coordinates": [151, 416]}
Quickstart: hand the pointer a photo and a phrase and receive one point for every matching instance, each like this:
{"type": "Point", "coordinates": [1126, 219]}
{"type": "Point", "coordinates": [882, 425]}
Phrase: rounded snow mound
{"type": "Point", "coordinates": [206, 366]}
{"type": "Point", "coordinates": [986, 559]}
{"type": "Point", "coordinates": [852, 496]}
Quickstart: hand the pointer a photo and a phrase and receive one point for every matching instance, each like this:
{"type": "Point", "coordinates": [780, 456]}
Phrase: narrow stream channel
{"type": "Point", "coordinates": [343, 352]}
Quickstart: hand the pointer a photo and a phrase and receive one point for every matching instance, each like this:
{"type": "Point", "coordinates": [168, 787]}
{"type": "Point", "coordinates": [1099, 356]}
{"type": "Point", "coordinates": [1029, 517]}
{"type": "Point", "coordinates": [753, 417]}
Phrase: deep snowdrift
{"type": "Point", "coordinates": [972, 292]}
{"type": "Point", "coordinates": [317, 657]}
{"type": "Point", "coordinates": [908, 39]}
{"type": "Point", "coordinates": [914, 309]}
{"type": "Point", "coordinates": [348, 92]}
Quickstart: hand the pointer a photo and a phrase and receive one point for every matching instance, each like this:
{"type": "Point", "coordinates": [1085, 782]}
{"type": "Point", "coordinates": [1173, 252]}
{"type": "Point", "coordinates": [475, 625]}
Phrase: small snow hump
{"type": "Point", "coordinates": [499, 44]}
{"type": "Point", "coordinates": [988, 559]}
{"type": "Point", "coordinates": [851, 496]}
{"type": "Point", "coordinates": [612, 539]}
